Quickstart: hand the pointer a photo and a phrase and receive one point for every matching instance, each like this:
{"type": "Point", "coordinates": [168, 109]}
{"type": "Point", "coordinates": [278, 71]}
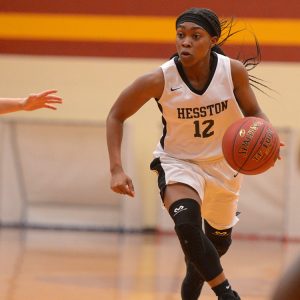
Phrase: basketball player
{"type": "Point", "coordinates": [199, 92]}
{"type": "Point", "coordinates": [45, 99]}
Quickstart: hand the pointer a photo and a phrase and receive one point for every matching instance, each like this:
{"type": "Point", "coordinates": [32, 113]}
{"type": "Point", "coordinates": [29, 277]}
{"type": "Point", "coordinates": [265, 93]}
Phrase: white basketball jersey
{"type": "Point", "coordinates": [195, 121]}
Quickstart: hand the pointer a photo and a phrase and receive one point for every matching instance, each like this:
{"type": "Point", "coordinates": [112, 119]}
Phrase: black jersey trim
{"type": "Point", "coordinates": [161, 180]}
{"type": "Point", "coordinates": [181, 72]}
{"type": "Point", "coordinates": [164, 122]}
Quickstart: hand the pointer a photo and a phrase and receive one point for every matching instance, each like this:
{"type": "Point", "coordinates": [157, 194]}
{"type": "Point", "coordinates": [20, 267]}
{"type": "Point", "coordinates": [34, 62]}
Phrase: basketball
{"type": "Point", "coordinates": [251, 145]}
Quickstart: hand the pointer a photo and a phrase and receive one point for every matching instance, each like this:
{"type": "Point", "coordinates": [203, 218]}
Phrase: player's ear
{"type": "Point", "coordinates": [214, 40]}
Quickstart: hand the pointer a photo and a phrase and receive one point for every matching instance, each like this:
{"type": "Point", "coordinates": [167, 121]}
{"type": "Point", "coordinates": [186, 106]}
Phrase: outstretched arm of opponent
{"type": "Point", "coordinates": [44, 99]}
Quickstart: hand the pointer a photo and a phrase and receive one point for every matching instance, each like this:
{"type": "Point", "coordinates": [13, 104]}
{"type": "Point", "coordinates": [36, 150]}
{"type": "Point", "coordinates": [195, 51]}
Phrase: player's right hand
{"type": "Point", "coordinates": [122, 184]}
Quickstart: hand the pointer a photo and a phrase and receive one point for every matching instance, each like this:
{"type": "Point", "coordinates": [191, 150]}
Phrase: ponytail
{"type": "Point", "coordinates": [223, 29]}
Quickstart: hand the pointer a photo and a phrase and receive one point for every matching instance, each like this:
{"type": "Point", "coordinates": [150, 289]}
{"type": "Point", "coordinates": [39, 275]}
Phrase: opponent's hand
{"type": "Point", "coordinates": [44, 99]}
{"type": "Point", "coordinates": [122, 184]}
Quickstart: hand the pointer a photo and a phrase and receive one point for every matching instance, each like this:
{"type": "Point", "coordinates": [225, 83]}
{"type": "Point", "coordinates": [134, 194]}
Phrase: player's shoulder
{"type": "Point", "coordinates": [237, 65]}
{"type": "Point", "coordinates": [170, 63]}
{"type": "Point", "coordinates": [150, 84]}
{"type": "Point", "coordinates": [238, 71]}
{"type": "Point", "coordinates": [154, 77]}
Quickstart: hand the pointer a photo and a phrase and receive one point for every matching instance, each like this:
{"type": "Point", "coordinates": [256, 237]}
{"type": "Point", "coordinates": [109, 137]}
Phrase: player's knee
{"type": "Point", "coordinates": [196, 246]}
{"type": "Point", "coordinates": [185, 211]}
{"type": "Point", "coordinates": [222, 246]}
{"type": "Point", "coordinates": [189, 235]}
{"type": "Point", "coordinates": [221, 239]}
{"type": "Point", "coordinates": [221, 243]}
{"type": "Point", "coordinates": [186, 216]}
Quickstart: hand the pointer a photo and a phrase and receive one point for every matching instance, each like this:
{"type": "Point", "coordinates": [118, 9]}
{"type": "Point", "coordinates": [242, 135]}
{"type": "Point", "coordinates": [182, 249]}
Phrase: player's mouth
{"type": "Point", "coordinates": [185, 54]}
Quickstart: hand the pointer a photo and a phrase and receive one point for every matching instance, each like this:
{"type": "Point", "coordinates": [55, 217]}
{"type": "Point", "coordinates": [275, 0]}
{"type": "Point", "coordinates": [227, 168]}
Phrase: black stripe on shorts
{"type": "Point", "coordinates": [161, 179]}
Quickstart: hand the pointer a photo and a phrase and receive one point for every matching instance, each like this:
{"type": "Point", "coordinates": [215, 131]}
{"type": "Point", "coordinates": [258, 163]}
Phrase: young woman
{"type": "Point", "coordinates": [44, 99]}
{"type": "Point", "coordinates": [199, 93]}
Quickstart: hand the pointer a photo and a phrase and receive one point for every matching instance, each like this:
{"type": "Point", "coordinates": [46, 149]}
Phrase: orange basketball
{"type": "Point", "coordinates": [251, 145]}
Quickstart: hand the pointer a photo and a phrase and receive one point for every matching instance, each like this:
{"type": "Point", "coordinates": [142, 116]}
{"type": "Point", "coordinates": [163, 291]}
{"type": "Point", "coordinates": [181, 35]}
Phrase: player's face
{"type": "Point", "coordinates": [193, 43]}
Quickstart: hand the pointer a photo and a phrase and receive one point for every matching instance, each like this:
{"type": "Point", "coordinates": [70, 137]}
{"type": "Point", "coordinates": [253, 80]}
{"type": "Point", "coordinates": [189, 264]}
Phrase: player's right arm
{"type": "Point", "coordinates": [129, 102]}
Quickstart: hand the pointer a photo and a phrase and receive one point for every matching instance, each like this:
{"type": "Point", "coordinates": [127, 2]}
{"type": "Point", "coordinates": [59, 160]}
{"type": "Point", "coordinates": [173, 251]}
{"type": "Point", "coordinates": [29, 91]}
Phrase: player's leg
{"type": "Point", "coordinates": [221, 239]}
{"type": "Point", "coordinates": [183, 204]}
{"type": "Point", "coordinates": [192, 283]}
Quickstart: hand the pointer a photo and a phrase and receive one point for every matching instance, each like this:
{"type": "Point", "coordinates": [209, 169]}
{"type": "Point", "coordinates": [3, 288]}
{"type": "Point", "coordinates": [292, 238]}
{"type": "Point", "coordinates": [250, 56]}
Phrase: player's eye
{"type": "Point", "coordinates": [180, 35]}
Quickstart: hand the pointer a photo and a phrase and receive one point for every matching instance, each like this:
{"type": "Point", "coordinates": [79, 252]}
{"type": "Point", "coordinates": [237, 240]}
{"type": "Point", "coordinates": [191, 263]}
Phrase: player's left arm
{"type": "Point", "coordinates": [243, 91]}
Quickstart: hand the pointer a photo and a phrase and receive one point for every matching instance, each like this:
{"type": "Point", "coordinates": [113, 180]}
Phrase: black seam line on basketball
{"type": "Point", "coordinates": [267, 159]}
{"type": "Point", "coordinates": [253, 148]}
{"type": "Point", "coordinates": [250, 156]}
{"type": "Point", "coordinates": [232, 152]}
{"type": "Point", "coordinates": [271, 156]}
{"type": "Point", "coordinates": [241, 167]}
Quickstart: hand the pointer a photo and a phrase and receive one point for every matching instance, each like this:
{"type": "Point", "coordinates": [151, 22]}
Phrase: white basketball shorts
{"type": "Point", "coordinates": [213, 180]}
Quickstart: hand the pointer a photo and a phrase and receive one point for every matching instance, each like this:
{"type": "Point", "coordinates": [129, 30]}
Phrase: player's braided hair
{"type": "Point", "coordinates": [223, 29]}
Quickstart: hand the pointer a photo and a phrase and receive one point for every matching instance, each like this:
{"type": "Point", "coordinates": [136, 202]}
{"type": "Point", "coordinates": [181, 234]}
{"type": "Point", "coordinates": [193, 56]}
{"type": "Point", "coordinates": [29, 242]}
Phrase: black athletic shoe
{"type": "Point", "coordinates": [230, 296]}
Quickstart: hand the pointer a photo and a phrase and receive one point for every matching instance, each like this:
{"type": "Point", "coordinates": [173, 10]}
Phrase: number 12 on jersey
{"type": "Point", "coordinates": [204, 129]}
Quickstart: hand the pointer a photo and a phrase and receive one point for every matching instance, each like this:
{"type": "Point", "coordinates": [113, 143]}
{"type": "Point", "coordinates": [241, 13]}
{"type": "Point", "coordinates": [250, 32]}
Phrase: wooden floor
{"type": "Point", "coordinates": [69, 265]}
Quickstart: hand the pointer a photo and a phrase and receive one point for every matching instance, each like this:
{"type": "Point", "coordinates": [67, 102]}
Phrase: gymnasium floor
{"type": "Point", "coordinates": [71, 265]}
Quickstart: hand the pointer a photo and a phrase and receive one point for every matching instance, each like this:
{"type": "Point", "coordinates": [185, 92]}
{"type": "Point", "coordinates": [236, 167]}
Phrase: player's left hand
{"type": "Point", "coordinates": [282, 144]}
{"type": "Point", "coordinates": [44, 99]}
